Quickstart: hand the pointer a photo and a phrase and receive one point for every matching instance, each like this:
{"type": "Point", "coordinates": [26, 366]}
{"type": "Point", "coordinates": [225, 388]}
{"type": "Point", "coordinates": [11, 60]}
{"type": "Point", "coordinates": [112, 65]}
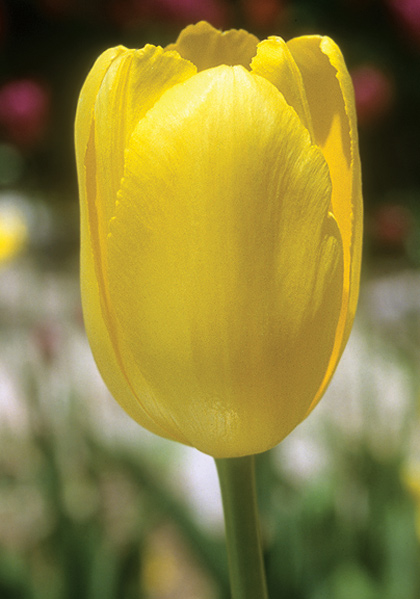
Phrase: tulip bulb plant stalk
{"type": "Point", "coordinates": [221, 230]}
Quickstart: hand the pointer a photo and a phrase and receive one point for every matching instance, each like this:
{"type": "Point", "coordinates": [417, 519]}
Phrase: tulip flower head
{"type": "Point", "coordinates": [221, 225]}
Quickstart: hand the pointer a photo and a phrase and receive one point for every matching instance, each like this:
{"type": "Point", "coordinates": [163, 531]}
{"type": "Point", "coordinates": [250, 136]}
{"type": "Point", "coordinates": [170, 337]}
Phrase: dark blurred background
{"type": "Point", "coordinates": [92, 506]}
{"type": "Point", "coordinates": [48, 46]}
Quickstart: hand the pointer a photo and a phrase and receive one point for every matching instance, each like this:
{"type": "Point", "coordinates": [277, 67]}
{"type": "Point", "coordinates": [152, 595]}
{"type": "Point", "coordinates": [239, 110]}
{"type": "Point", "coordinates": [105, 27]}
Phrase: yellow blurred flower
{"type": "Point", "coordinates": [410, 476]}
{"type": "Point", "coordinates": [13, 232]}
{"type": "Point", "coordinates": [221, 231]}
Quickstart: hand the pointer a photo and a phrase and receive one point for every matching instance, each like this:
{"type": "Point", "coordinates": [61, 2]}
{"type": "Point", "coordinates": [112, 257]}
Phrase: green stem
{"type": "Point", "coordinates": [246, 568]}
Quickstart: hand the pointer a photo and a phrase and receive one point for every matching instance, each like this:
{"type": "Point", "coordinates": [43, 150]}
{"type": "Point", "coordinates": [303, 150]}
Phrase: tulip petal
{"type": "Point", "coordinates": [132, 81]}
{"type": "Point", "coordinates": [274, 62]}
{"type": "Point", "coordinates": [225, 268]}
{"type": "Point", "coordinates": [86, 105]}
{"type": "Point", "coordinates": [208, 47]}
{"type": "Point", "coordinates": [331, 101]}
{"type": "Point", "coordinates": [132, 84]}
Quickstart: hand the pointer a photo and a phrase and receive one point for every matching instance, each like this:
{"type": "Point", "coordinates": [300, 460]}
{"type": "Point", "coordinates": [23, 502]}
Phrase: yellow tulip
{"type": "Point", "coordinates": [221, 226]}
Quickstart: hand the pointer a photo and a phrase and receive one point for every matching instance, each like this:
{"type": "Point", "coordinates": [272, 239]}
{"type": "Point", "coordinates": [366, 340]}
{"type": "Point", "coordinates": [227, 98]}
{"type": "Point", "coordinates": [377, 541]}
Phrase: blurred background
{"type": "Point", "coordinates": [91, 505]}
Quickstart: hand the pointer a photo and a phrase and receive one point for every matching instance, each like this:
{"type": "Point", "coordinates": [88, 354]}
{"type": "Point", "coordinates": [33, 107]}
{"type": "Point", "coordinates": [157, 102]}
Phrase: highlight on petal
{"type": "Point", "coordinates": [208, 47]}
{"type": "Point", "coordinates": [224, 268]}
{"type": "Point", "coordinates": [331, 102]}
{"type": "Point", "coordinates": [275, 63]}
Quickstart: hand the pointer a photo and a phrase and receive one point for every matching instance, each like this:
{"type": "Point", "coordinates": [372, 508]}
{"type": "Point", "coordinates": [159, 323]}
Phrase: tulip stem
{"type": "Point", "coordinates": [246, 567]}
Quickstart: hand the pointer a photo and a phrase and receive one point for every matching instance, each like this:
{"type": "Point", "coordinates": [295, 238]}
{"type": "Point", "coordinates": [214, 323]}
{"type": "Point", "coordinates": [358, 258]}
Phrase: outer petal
{"type": "Point", "coordinates": [207, 47]}
{"type": "Point", "coordinates": [275, 62]}
{"type": "Point", "coordinates": [133, 80]}
{"type": "Point", "coordinates": [86, 105]}
{"type": "Point", "coordinates": [331, 101]}
{"type": "Point", "coordinates": [224, 266]}
{"type": "Point", "coordinates": [133, 83]}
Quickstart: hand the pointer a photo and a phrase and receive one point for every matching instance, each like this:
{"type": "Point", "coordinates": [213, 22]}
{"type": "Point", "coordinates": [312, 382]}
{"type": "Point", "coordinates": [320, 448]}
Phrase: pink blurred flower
{"type": "Point", "coordinates": [392, 225]}
{"type": "Point", "coordinates": [190, 11]}
{"type": "Point", "coordinates": [374, 92]}
{"type": "Point", "coordinates": [47, 337]}
{"type": "Point", "coordinates": [24, 111]}
{"type": "Point", "coordinates": [263, 13]}
{"type": "Point", "coordinates": [132, 12]}
{"type": "Point", "coordinates": [407, 13]}
{"type": "Point", "coordinates": [128, 13]}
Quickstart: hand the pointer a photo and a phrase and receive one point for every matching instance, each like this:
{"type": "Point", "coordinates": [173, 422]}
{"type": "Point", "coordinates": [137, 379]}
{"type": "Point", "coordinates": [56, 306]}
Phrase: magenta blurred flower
{"type": "Point", "coordinates": [263, 13]}
{"type": "Point", "coordinates": [189, 11]}
{"type": "Point", "coordinates": [392, 225]}
{"type": "Point", "coordinates": [47, 337]}
{"type": "Point", "coordinates": [130, 13]}
{"type": "Point", "coordinates": [24, 111]}
{"type": "Point", "coordinates": [407, 13]}
{"type": "Point", "coordinates": [374, 92]}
